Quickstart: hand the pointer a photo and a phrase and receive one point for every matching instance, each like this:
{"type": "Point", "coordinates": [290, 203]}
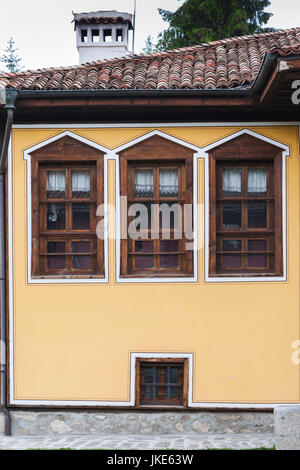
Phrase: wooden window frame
{"type": "Point", "coordinates": [248, 152]}
{"type": "Point", "coordinates": [162, 362]}
{"type": "Point", "coordinates": [156, 152]}
{"type": "Point", "coordinates": [68, 154]}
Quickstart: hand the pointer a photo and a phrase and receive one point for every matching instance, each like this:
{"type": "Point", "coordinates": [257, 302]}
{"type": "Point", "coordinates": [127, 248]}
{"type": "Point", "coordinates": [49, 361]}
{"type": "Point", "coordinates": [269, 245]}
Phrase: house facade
{"type": "Point", "coordinates": [152, 231]}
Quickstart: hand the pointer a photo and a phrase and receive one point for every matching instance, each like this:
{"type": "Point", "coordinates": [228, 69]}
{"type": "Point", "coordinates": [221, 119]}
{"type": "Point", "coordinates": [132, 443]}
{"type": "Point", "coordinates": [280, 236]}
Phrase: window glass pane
{"type": "Point", "coordinates": [81, 216]}
{"type": "Point", "coordinates": [144, 247]}
{"type": "Point", "coordinates": [83, 261]}
{"type": "Point", "coordinates": [56, 184]}
{"type": "Point", "coordinates": [232, 181]}
{"type": "Point", "coordinates": [169, 261]}
{"type": "Point", "coordinates": [148, 392]}
{"type": "Point", "coordinates": [80, 184]}
{"type": "Point", "coordinates": [170, 214]}
{"type": "Point", "coordinates": [59, 261]}
{"type": "Point", "coordinates": [144, 261]}
{"type": "Point", "coordinates": [257, 181]}
{"type": "Point", "coordinates": [257, 260]}
{"type": "Point", "coordinates": [232, 212]}
{"type": "Point", "coordinates": [148, 375]}
{"type": "Point", "coordinates": [232, 245]}
{"type": "Point", "coordinates": [143, 183]}
{"type": "Point", "coordinates": [257, 214]}
{"type": "Point", "coordinates": [169, 246]}
{"type": "Point", "coordinates": [161, 393]}
{"type": "Point", "coordinates": [174, 374]}
{"type": "Point", "coordinates": [56, 217]}
{"type": "Point", "coordinates": [232, 261]}
{"type": "Point", "coordinates": [257, 245]}
{"type": "Point", "coordinates": [168, 182]}
{"type": "Point", "coordinates": [174, 392]}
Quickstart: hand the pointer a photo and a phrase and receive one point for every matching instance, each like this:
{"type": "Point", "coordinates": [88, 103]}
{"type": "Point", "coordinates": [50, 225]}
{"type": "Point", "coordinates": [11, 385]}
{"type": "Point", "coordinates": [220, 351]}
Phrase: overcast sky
{"type": "Point", "coordinates": [45, 37]}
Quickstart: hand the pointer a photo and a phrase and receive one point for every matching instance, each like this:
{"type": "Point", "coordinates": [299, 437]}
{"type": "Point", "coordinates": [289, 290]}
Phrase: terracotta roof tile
{"type": "Point", "coordinates": [228, 63]}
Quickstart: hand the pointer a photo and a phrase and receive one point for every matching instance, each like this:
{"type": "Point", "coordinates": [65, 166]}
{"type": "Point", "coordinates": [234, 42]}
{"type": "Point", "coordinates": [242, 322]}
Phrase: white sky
{"type": "Point", "coordinates": [45, 37]}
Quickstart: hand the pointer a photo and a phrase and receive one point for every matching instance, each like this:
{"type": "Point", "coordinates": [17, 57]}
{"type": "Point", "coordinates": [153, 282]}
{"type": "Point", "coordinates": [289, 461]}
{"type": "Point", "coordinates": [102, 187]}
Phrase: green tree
{"type": "Point", "coordinates": [149, 45]}
{"type": "Point", "coordinates": [198, 21]}
{"type": "Point", "coordinates": [10, 58]}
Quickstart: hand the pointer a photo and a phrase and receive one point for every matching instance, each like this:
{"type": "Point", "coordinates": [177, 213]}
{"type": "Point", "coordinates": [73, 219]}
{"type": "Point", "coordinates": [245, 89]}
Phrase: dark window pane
{"type": "Point", "coordinates": [83, 261]}
{"type": "Point", "coordinates": [257, 245]}
{"type": "Point", "coordinates": [168, 182]}
{"type": "Point", "coordinates": [232, 212]}
{"type": "Point", "coordinates": [169, 245]}
{"type": "Point", "coordinates": [257, 260]}
{"type": "Point", "coordinates": [148, 392]}
{"type": "Point", "coordinates": [141, 215]}
{"type": "Point", "coordinates": [173, 374]}
{"type": "Point", "coordinates": [56, 217]}
{"type": "Point", "coordinates": [232, 261]}
{"type": "Point", "coordinates": [148, 375]}
{"type": "Point", "coordinates": [257, 214]}
{"type": "Point", "coordinates": [144, 261]}
{"type": "Point", "coordinates": [56, 262]}
{"type": "Point", "coordinates": [144, 247]}
{"type": "Point", "coordinates": [174, 392]}
{"type": "Point", "coordinates": [81, 216]}
{"type": "Point", "coordinates": [170, 215]}
{"type": "Point", "coordinates": [232, 245]}
{"type": "Point", "coordinates": [143, 183]}
{"type": "Point", "coordinates": [169, 261]}
{"type": "Point", "coordinates": [161, 393]}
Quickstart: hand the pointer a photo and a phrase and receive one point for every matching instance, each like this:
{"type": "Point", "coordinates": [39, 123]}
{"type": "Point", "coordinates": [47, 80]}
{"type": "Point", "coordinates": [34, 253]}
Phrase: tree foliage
{"type": "Point", "coordinates": [10, 58]}
{"type": "Point", "coordinates": [198, 21]}
{"type": "Point", "coordinates": [149, 45]}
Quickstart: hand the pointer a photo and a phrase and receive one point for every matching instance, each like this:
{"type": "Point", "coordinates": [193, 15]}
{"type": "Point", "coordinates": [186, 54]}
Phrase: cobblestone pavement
{"type": "Point", "coordinates": [209, 441]}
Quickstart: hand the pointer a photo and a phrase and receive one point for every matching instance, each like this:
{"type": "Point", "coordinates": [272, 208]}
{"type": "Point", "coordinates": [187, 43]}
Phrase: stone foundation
{"type": "Point", "coordinates": [287, 427]}
{"type": "Point", "coordinates": [97, 423]}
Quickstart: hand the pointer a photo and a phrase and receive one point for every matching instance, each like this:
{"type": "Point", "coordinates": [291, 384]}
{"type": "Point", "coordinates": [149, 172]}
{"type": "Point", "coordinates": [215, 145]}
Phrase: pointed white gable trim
{"type": "Point", "coordinates": [27, 158]}
{"type": "Point", "coordinates": [160, 134]}
{"type": "Point", "coordinates": [285, 153]}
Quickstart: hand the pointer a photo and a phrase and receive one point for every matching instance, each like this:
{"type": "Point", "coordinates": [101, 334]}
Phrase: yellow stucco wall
{"type": "Point", "coordinates": [73, 342]}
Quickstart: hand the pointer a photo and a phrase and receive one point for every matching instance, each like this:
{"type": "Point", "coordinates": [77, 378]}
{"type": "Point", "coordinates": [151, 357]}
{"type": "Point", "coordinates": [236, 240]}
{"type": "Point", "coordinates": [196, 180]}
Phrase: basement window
{"type": "Point", "coordinates": [107, 35]}
{"type": "Point", "coordinates": [84, 35]}
{"type": "Point", "coordinates": [161, 382]}
{"type": "Point", "coordinates": [95, 35]}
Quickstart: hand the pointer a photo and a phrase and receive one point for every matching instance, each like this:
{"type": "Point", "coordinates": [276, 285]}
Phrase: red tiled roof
{"type": "Point", "coordinates": [228, 63]}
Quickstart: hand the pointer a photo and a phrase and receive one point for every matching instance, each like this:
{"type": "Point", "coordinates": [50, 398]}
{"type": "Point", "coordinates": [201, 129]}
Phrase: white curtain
{"type": "Point", "coordinates": [232, 180]}
{"type": "Point", "coordinates": [257, 180]}
{"type": "Point", "coordinates": [143, 181]}
{"type": "Point", "coordinates": [56, 181]}
{"type": "Point", "coordinates": [81, 181]}
{"type": "Point", "coordinates": [168, 182]}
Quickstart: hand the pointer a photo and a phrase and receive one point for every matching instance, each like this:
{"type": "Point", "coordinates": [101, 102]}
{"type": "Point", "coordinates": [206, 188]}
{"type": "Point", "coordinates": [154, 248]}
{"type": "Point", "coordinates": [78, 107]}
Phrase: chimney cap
{"type": "Point", "coordinates": [107, 17]}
